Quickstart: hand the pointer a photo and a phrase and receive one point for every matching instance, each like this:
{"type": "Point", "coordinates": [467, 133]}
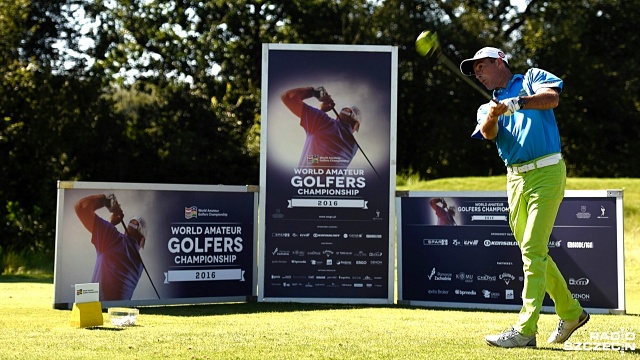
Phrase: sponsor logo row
{"type": "Point", "coordinates": [506, 277]}
{"type": "Point", "coordinates": [324, 235]}
{"type": "Point", "coordinates": [493, 243]}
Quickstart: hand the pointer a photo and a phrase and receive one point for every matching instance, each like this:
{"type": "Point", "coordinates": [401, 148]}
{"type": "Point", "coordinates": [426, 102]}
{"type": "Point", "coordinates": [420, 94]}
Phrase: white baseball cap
{"type": "Point", "coordinates": [466, 66]}
{"type": "Point", "coordinates": [355, 114]}
{"type": "Point", "coordinates": [142, 225]}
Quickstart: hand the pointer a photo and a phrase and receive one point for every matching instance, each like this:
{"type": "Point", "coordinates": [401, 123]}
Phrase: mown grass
{"type": "Point", "coordinates": [31, 329]}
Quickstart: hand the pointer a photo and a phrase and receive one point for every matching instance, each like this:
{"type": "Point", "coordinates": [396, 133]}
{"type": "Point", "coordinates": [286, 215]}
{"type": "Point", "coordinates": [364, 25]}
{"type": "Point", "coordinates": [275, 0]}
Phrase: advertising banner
{"type": "Point", "coordinates": [174, 244]}
{"type": "Point", "coordinates": [327, 173]}
{"type": "Point", "coordinates": [457, 250]}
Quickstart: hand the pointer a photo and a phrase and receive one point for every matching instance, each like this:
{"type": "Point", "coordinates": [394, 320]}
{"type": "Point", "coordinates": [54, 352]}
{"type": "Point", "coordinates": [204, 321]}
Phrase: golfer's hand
{"type": "Point", "coordinates": [109, 201]}
{"type": "Point", "coordinates": [496, 108]}
{"type": "Point", "coordinates": [116, 214]}
{"type": "Point", "coordinates": [327, 104]}
{"type": "Point", "coordinates": [321, 94]}
{"type": "Point", "coordinates": [511, 104]}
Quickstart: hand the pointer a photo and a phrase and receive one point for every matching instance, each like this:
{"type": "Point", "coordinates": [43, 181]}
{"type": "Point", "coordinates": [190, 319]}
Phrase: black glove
{"type": "Point", "coordinates": [109, 201]}
{"type": "Point", "coordinates": [320, 93]}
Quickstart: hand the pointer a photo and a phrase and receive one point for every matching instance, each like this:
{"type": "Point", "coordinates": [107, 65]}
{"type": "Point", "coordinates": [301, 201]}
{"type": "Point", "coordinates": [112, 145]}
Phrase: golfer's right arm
{"type": "Point", "coordinates": [489, 127]}
{"type": "Point", "coordinates": [294, 98]}
{"type": "Point", "coordinates": [86, 209]}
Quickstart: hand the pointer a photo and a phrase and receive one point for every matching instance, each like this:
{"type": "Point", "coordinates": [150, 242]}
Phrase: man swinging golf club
{"type": "Point", "coordinates": [118, 265]}
{"type": "Point", "coordinates": [521, 121]}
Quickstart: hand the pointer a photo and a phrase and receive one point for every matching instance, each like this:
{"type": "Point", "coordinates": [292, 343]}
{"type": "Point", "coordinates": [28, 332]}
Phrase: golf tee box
{"type": "Point", "coordinates": [87, 314]}
{"type": "Point", "coordinates": [87, 310]}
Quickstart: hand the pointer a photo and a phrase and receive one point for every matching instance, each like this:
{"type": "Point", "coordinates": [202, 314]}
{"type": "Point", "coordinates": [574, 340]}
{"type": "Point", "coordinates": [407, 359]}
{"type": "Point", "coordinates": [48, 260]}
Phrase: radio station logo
{"type": "Point", "coordinates": [618, 341]}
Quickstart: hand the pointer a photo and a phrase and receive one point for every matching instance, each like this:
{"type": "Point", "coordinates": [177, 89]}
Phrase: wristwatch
{"type": "Point", "coordinates": [521, 102]}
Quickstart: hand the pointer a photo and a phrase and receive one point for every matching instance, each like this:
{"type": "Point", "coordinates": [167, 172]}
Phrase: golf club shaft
{"type": "Point", "coordinates": [141, 262]}
{"type": "Point", "coordinates": [454, 69]}
{"type": "Point", "coordinates": [362, 151]}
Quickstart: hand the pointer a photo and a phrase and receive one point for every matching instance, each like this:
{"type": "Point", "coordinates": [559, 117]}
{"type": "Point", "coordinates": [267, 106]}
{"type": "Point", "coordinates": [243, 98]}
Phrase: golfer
{"type": "Point", "coordinates": [118, 264]}
{"type": "Point", "coordinates": [329, 141]}
{"type": "Point", "coordinates": [445, 214]}
{"type": "Point", "coordinates": [523, 125]}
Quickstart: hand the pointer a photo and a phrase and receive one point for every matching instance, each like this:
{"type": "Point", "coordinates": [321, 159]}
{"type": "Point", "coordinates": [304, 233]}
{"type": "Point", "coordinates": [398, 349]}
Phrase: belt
{"type": "Point", "coordinates": [545, 161]}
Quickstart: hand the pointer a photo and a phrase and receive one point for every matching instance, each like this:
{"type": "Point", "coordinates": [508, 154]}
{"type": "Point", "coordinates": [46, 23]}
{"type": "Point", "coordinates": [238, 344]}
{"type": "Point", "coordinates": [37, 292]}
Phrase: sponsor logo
{"type": "Point", "coordinates": [438, 292]}
{"type": "Point", "coordinates": [508, 294]}
{"type": "Point", "coordinates": [506, 277]}
{"type": "Point", "coordinates": [361, 262]}
{"type": "Point", "coordinates": [488, 243]}
{"type": "Point", "coordinates": [504, 263]}
{"type": "Point", "coordinates": [554, 244]}
{"type": "Point", "coordinates": [435, 242]}
{"type": "Point", "coordinates": [487, 294]}
{"type": "Point", "coordinates": [457, 242]}
{"type": "Point", "coordinates": [468, 278]}
{"type": "Point", "coordinates": [465, 292]}
{"type": "Point", "coordinates": [579, 282]}
{"type": "Point", "coordinates": [486, 277]}
{"type": "Point", "coordinates": [438, 276]}
{"type": "Point", "coordinates": [580, 244]}
{"type": "Point", "coordinates": [583, 214]}
{"type": "Point", "coordinates": [280, 235]}
{"type": "Point", "coordinates": [374, 236]}
{"type": "Point", "coordinates": [603, 210]}
{"type": "Point", "coordinates": [375, 254]}
{"type": "Point", "coordinates": [582, 297]}
{"type": "Point", "coordinates": [190, 212]}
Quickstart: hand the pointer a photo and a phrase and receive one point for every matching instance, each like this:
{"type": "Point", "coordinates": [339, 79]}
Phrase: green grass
{"type": "Point", "coordinates": [32, 329]}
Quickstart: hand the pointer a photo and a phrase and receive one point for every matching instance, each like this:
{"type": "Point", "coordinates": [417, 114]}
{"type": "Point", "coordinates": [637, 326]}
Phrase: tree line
{"type": "Point", "coordinates": [169, 91]}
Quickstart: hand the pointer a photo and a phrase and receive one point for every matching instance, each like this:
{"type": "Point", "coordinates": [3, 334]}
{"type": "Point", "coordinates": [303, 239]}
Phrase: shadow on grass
{"type": "Point", "coordinates": [249, 308]}
{"type": "Point", "coordinates": [253, 307]}
{"type": "Point", "coordinates": [44, 278]}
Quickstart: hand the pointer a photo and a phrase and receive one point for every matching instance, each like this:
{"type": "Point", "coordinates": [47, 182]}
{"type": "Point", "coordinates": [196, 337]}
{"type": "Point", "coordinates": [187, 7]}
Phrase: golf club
{"type": "Point", "coordinates": [427, 44]}
{"type": "Point", "coordinates": [360, 148]}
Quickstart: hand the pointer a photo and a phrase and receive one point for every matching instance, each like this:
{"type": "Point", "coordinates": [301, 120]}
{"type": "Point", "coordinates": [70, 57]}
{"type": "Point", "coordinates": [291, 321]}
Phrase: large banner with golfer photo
{"type": "Point", "coordinates": [327, 173]}
{"type": "Point", "coordinates": [456, 250]}
{"type": "Point", "coordinates": [152, 244]}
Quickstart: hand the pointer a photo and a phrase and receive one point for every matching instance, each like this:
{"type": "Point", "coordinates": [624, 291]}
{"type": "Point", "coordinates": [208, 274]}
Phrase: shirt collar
{"type": "Point", "coordinates": [500, 92]}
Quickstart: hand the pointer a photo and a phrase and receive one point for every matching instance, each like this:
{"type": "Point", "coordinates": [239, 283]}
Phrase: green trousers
{"type": "Point", "coordinates": [534, 198]}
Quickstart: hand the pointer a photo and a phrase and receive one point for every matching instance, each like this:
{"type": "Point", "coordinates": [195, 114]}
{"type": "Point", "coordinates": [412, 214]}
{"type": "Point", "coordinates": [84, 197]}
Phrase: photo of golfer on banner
{"type": "Point", "coordinates": [329, 142]}
{"type": "Point", "coordinates": [118, 266]}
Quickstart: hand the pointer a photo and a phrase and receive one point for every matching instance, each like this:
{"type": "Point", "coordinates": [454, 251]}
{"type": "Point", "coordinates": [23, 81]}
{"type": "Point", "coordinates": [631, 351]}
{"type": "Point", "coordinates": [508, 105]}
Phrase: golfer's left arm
{"type": "Point", "coordinates": [544, 99]}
